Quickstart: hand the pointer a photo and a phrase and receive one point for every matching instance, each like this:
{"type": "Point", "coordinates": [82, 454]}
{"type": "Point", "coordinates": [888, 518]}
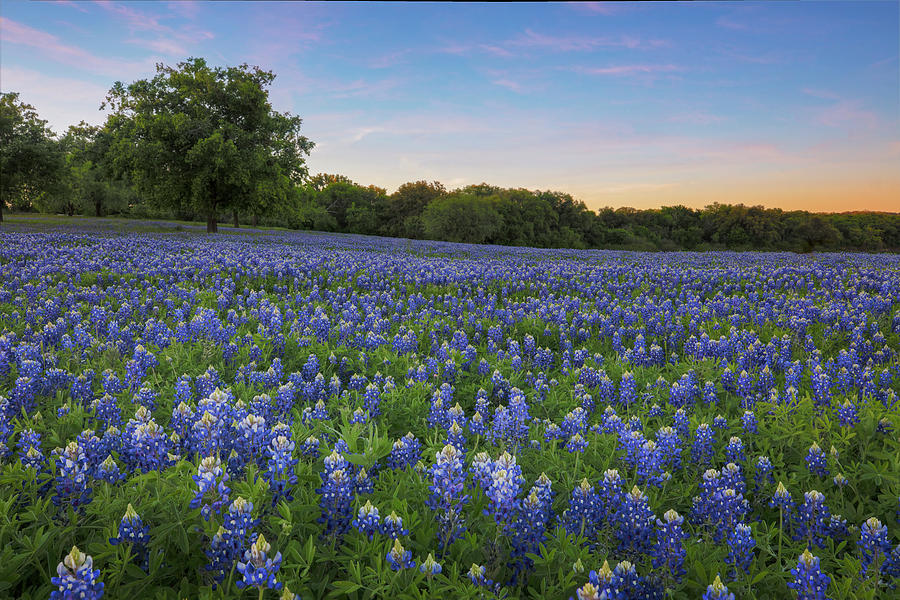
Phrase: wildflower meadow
{"type": "Point", "coordinates": [294, 415]}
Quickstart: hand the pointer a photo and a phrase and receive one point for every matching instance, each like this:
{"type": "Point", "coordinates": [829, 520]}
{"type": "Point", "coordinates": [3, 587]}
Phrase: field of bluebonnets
{"type": "Point", "coordinates": [297, 415]}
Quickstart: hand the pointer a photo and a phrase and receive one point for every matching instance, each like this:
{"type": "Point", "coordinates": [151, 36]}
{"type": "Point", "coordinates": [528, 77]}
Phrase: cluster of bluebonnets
{"type": "Point", "coordinates": [309, 415]}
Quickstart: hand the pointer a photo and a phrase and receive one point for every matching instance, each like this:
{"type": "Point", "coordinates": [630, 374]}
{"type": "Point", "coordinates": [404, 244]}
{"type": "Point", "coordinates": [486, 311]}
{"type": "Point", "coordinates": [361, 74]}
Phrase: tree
{"type": "Point", "coordinates": [320, 181]}
{"type": "Point", "coordinates": [30, 159]}
{"type": "Point", "coordinates": [461, 217]}
{"type": "Point", "coordinates": [407, 205]}
{"type": "Point", "coordinates": [206, 138]}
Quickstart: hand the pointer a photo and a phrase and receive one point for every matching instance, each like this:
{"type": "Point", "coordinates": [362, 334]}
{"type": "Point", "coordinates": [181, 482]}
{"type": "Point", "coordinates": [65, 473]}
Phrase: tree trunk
{"type": "Point", "coordinates": [236, 224]}
{"type": "Point", "coordinates": [255, 220]}
{"type": "Point", "coordinates": [211, 225]}
{"type": "Point", "coordinates": [98, 207]}
{"type": "Point", "coordinates": [1, 211]}
{"type": "Point", "coordinates": [71, 209]}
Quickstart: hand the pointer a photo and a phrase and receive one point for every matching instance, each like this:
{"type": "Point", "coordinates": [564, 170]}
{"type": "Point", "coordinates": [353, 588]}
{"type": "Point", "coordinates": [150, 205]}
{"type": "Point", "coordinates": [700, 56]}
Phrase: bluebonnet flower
{"type": "Point", "coordinates": [367, 521]}
{"type": "Point", "coordinates": [448, 496]}
{"type": "Point", "coordinates": [72, 478]}
{"type": "Point", "coordinates": [576, 443]}
{"type": "Point", "coordinates": [763, 475]}
{"type": "Point", "coordinates": [890, 568]}
{"type": "Point", "coordinates": [847, 414]}
{"type": "Point", "coordinates": [530, 526]}
{"type": "Point", "coordinates": [29, 449]}
{"type": "Point", "coordinates": [702, 450]}
{"type": "Point", "coordinates": [430, 566]}
{"type": "Point", "coordinates": [734, 450]}
{"type": "Point", "coordinates": [336, 492]}
{"type": "Point", "coordinates": [76, 578]}
{"type": "Point", "coordinates": [600, 585]}
{"type": "Point", "coordinates": [133, 531]}
{"type": "Point", "coordinates": [816, 461]}
{"type": "Point", "coordinates": [669, 445]}
{"type": "Point", "coordinates": [584, 516]}
{"type": "Point", "coordinates": [873, 544]}
{"type": "Point", "coordinates": [717, 591]}
{"type": "Point", "coordinates": [212, 493]}
{"type": "Point", "coordinates": [359, 416]}
{"type": "Point", "coordinates": [809, 580]}
{"type": "Point", "coordinates": [456, 437]}
{"type": "Point", "coordinates": [740, 547]}
{"type": "Point", "coordinates": [782, 500]}
{"type": "Point", "coordinates": [611, 492]}
{"type": "Point", "coordinates": [399, 558]}
{"type": "Point", "coordinates": [109, 472]}
{"type": "Point", "coordinates": [229, 539]}
{"type": "Point", "coordinates": [257, 568]}
{"type": "Point", "coordinates": [310, 447]}
{"type": "Point", "coordinates": [149, 450]}
{"type": "Point", "coordinates": [749, 423]}
{"type": "Point", "coordinates": [476, 576]}
{"type": "Point", "coordinates": [280, 468]}
{"type": "Point", "coordinates": [393, 526]}
{"type": "Point", "coordinates": [634, 521]}
{"type": "Point", "coordinates": [813, 518]}
{"type": "Point", "coordinates": [668, 551]}
{"type": "Point", "coordinates": [627, 389]}
{"type": "Point", "coordinates": [720, 423]}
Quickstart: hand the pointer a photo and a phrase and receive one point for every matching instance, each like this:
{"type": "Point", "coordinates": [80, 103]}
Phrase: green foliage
{"type": "Point", "coordinates": [31, 161]}
{"type": "Point", "coordinates": [460, 218]}
{"type": "Point", "coordinates": [206, 138]}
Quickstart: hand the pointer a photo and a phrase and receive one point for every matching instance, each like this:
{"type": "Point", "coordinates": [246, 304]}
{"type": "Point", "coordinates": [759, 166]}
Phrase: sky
{"type": "Point", "coordinates": [794, 105]}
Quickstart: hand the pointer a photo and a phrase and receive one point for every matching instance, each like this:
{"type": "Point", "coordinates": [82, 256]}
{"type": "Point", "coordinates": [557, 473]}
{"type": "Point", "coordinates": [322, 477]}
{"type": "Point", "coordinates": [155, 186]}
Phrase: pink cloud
{"type": "Point", "coordinates": [597, 8]}
{"type": "Point", "coordinates": [51, 46]}
{"type": "Point", "coordinates": [169, 40]}
{"type": "Point", "coordinates": [388, 60]}
{"type": "Point", "coordinates": [729, 24]}
{"type": "Point", "coordinates": [509, 84]}
{"type": "Point", "coordinates": [846, 113]}
{"type": "Point", "coordinates": [70, 4]}
{"type": "Point", "coordinates": [629, 69]}
{"type": "Point", "coordinates": [496, 50]}
{"type": "Point", "coordinates": [569, 43]}
{"type": "Point", "coordinates": [696, 118]}
{"type": "Point", "coordinates": [817, 93]}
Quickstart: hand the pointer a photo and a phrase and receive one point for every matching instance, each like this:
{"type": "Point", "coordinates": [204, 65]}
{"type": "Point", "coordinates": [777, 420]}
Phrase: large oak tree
{"type": "Point", "coordinates": [31, 161]}
{"type": "Point", "coordinates": [206, 138]}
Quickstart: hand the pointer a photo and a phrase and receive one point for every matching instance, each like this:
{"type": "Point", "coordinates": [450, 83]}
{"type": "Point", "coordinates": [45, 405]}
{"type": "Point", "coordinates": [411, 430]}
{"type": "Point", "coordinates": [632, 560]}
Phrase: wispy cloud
{"type": "Point", "coordinates": [625, 70]}
{"type": "Point", "coordinates": [727, 23]}
{"type": "Point", "coordinates": [817, 93]}
{"type": "Point", "coordinates": [570, 43]}
{"type": "Point", "coordinates": [696, 118]}
{"type": "Point", "coordinates": [513, 86]}
{"type": "Point", "coordinates": [598, 8]}
{"type": "Point", "coordinates": [847, 113]}
{"type": "Point", "coordinates": [389, 60]}
{"type": "Point", "coordinates": [82, 98]}
{"type": "Point", "coordinates": [50, 46]}
{"type": "Point", "coordinates": [77, 6]}
{"type": "Point", "coordinates": [172, 41]}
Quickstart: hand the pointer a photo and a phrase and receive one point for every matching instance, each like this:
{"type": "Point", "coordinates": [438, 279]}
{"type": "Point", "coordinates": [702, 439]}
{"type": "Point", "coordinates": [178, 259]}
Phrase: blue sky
{"type": "Point", "coordinates": [789, 104]}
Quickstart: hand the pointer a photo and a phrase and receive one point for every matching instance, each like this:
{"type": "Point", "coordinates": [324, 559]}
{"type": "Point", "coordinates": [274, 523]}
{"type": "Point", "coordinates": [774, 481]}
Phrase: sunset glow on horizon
{"type": "Point", "coordinates": [792, 105]}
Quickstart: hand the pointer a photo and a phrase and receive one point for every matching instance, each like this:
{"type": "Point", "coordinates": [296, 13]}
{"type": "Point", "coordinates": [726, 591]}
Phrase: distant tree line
{"type": "Point", "coordinates": [201, 143]}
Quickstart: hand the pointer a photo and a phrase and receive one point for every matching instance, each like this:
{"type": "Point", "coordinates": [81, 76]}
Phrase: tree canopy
{"type": "Point", "coordinates": [31, 161]}
{"type": "Point", "coordinates": [207, 138]}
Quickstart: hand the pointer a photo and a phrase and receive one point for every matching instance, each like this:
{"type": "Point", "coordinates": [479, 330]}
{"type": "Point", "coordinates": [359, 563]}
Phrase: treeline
{"type": "Point", "coordinates": [518, 217]}
{"type": "Point", "coordinates": [202, 143]}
